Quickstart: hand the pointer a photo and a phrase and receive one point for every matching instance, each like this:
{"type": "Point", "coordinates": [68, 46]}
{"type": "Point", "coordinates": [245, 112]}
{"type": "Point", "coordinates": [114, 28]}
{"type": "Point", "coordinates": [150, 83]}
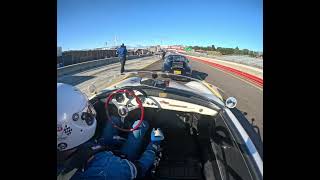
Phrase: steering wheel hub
{"type": "Point", "coordinates": [123, 111]}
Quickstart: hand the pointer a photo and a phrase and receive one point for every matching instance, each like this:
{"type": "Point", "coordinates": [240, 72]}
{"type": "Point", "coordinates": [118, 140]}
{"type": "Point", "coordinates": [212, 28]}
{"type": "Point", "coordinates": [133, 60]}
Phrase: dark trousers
{"type": "Point", "coordinates": [123, 62]}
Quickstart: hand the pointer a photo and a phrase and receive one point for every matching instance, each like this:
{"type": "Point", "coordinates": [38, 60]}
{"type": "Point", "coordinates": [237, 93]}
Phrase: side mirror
{"type": "Point", "coordinates": [92, 89]}
{"type": "Point", "coordinates": [231, 102]}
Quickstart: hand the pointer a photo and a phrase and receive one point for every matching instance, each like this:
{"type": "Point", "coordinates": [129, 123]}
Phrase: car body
{"type": "Point", "coordinates": [176, 64]}
{"type": "Point", "coordinates": [204, 138]}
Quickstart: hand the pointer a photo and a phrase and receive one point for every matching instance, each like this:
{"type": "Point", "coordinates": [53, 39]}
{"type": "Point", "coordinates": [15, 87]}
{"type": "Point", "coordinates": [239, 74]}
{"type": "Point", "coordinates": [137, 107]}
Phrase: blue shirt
{"type": "Point", "coordinates": [122, 51]}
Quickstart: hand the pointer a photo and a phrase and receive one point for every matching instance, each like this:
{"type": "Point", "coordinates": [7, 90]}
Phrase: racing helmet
{"type": "Point", "coordinates": [76, 117]}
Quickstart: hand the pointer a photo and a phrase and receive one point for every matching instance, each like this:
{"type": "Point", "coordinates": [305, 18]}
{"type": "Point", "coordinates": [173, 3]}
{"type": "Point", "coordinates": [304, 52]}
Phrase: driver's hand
{"type": "Point", "coordinates": [156, 136]}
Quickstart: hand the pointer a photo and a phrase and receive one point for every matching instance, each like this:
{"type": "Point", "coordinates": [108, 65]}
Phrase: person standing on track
{"type": "Point", "coordinates": [122, 54]}
{"type": "Point", "coordinates": [163, 54]}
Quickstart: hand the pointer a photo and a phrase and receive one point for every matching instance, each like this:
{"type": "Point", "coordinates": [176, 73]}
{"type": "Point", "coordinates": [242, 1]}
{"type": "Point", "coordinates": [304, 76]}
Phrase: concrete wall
{"type": "Point", "coordinates": [74, 57]}
{"type": "Point", "coordinates": [90, 64]}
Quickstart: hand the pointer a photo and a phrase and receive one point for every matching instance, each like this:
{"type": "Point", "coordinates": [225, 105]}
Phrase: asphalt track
{"type": "Point", "coordinates": [248, 95]}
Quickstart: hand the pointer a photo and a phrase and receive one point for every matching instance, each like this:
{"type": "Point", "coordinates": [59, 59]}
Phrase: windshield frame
{"type": "Point", "coordinates": [167, 58]}
{"type": "Point", "coordinates": [170, 90]}
{"type": "Point", "coordinates": [157, 75]}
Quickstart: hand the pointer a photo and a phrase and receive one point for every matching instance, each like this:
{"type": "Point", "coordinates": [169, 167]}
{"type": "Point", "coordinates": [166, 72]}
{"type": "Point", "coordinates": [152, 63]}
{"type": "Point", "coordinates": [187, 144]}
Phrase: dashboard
{"type": "Point", "coordinates": [161, 102]}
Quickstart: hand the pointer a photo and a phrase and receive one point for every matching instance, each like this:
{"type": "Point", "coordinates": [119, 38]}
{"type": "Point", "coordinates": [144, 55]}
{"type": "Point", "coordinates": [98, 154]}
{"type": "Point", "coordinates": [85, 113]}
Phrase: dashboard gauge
{"type": "Point", "coordinates": [119, 97]}
{"type": "Point", "coordinates": [129, 96]}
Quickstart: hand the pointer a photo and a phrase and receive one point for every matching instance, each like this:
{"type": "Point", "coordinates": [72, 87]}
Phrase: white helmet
{"type": "Point", "coordinates": [76, 122]}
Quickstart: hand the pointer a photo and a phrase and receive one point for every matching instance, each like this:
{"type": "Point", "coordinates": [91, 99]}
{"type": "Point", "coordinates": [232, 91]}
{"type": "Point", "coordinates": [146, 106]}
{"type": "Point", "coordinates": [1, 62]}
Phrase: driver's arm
{"type": "Point", "coordinates": [146, 161]}
{"type": "Point", "coordinates": [149, 155]}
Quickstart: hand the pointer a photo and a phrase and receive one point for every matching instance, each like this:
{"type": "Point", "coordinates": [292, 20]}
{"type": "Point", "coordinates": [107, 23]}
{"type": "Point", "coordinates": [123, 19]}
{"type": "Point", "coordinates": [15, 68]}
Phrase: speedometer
{"type": "Point", "coordinates": [119, 97]}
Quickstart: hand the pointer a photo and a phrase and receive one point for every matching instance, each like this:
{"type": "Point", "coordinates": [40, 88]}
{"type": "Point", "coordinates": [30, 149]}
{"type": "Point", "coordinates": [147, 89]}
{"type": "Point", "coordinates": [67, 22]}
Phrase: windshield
{"type": "Point", "coordinates": [176, 58]}
{"type": "Point", "coordinates": [170, 83]}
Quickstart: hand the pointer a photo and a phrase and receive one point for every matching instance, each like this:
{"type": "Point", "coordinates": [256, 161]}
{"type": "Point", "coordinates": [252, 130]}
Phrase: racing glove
{"type": "Point", "coordinates": [156, 136]}
{"type": "Point", "coordinates": [156, 139]}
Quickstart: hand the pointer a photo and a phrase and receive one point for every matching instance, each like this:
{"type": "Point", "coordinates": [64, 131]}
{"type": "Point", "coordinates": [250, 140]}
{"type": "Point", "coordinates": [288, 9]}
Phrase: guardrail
{"type": "Point", "coordinates": [70, 69]}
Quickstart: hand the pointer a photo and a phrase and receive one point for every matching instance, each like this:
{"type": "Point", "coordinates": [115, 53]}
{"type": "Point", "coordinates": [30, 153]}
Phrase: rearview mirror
{"type": "Point", "coordinates": [231, 102]}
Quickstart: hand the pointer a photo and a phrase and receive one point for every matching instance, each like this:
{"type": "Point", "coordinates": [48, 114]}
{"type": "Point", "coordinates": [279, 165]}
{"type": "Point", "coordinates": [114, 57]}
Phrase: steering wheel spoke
{"type": "Point", "coordinates": [122, 119]}
{"type": "Point", "coordinates": [114, 101]}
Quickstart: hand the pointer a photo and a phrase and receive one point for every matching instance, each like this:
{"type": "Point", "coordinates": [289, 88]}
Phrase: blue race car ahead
{"type": "Point", "coordinates": [176, 64]}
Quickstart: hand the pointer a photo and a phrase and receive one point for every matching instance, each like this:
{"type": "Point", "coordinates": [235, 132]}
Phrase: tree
{"type": "Point", "coordinates": [213, 48]}
{"type": "Point", "coordinates": [236, 50]}
{"type": "Point", "coordinates": [245, 51]}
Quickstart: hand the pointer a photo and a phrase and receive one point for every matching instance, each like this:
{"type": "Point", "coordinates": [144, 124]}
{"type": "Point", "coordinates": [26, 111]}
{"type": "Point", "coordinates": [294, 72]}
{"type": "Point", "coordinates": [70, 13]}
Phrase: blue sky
{"type": "Point", "coordinates": [84, 24]}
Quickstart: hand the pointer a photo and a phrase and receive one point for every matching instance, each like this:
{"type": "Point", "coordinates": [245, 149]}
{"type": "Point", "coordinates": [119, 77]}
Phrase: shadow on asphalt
{"type": "Point", "coordinates": [199, 75]}
{"type": "Point", "coordinates": [75, 80]}
{"type": "Point", "coordinates": [133, 70]}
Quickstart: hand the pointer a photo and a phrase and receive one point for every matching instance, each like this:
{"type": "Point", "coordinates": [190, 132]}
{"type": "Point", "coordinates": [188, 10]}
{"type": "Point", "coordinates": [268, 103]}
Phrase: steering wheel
{"type": "Point", "coordinates": [123, 110]}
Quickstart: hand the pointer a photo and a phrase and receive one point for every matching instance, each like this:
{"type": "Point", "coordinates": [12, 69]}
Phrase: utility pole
{"type": "Point", "coordinates": [115, 41]}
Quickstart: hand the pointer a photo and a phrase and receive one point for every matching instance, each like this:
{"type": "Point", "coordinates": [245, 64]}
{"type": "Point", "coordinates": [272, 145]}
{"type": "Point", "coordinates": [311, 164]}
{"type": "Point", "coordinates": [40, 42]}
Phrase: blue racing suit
{"type": "Point", "coordinates": [106, 165]}
{"type": "Point", "coordinates": [122, 52]}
